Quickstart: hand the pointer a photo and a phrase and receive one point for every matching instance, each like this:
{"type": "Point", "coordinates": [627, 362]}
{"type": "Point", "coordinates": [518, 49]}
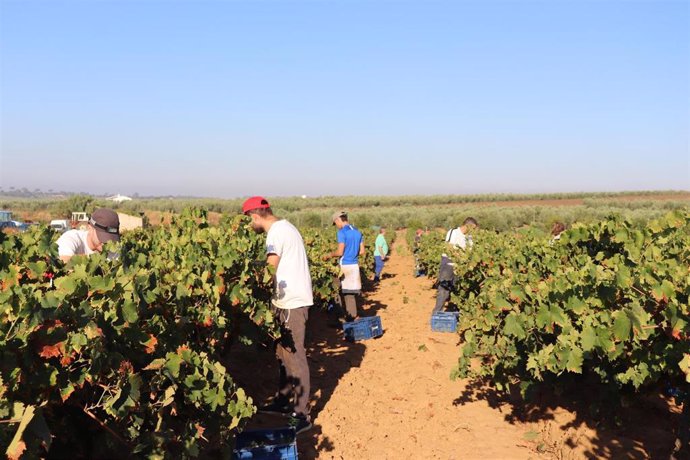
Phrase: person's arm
{"type": "Point", "coordinates": [337, 253]}
{"type": "Point", "coordinates": [361, 248]}
{"type": "Point", "coordinates": [273, 260]}
{"type": "Point", "coordinates": [274, 247]}
{"type": "Point", "coordinates": [65, 259]}
{"type": "Point", "coordinates": [341, 247]}
{"type": "Point", "coordinates": [379, 248]}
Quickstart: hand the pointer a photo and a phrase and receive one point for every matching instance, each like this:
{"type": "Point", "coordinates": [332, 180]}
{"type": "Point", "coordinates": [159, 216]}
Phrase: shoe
{"type": "Point", "coordinates": [300, 423]}
{"type": "Point", "coordinates": [276, 407]}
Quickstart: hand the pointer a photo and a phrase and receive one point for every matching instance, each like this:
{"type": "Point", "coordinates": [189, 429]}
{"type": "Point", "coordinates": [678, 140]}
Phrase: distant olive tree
{"type": "Point", "coordinates": [76, 203]}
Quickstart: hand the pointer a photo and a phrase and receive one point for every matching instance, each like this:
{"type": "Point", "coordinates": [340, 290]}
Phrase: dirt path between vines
{"type": "Point", "coordinates": [392, 398]}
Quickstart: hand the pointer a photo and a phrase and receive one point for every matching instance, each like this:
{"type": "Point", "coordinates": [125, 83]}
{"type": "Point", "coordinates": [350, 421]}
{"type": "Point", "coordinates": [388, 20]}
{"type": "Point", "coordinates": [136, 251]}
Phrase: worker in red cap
{"type": "Point", "coordinates": [104, 226]}
{"type": "Point", "coordinates": [292, 297]}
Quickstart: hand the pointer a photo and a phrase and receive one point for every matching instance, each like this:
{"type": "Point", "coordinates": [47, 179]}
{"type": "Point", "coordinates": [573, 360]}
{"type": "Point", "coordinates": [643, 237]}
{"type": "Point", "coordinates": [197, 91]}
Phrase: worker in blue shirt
{"type": "Point", "coordinates": [350, 247]}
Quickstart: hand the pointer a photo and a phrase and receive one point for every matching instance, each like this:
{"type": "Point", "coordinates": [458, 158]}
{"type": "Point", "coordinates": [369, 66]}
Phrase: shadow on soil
{"type": "Point", "coordinates": [330, 357]}
{"type": "Point", "coordinates": [643, 428]}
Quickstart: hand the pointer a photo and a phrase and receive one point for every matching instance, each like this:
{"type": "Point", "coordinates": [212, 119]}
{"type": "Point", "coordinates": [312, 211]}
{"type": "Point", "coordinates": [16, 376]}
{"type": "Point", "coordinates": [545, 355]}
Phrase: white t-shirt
{"type": "Point", "coordinates": [73, 242]}
{"type": "Point", "coordinates": [456, 238]}
{"type": "Point", "coordinates": [292, 279]}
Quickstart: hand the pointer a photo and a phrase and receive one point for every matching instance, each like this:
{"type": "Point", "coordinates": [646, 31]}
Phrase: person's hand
{"type": "Point", "coordinates": [326, 257]}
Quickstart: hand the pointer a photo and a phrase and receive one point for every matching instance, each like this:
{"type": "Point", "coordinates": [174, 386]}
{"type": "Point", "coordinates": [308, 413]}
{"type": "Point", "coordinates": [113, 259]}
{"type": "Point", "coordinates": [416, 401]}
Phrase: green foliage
{"type": "Point", "coordinates": [76, 203]}
{"type": "Point", "coordinates": [410, 211]}
{"type": "Point", "coordinates": [138, 342]}
{"type": "Point", "coordinates": [429, 252]}
{"type": "Point", "coordinates": [608, 299]}
{"type": "Point", "coordinates": [323, 272]}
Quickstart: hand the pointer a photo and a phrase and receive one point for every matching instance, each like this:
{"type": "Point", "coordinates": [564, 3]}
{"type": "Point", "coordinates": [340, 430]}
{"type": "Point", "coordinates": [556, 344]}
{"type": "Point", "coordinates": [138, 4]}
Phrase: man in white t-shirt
{"type": "Point", "coordinates": [292, 297]}
{"type": "Point", "coordinates": [104, 226]}
{"type": "Point", "coordinates": [455, 238]}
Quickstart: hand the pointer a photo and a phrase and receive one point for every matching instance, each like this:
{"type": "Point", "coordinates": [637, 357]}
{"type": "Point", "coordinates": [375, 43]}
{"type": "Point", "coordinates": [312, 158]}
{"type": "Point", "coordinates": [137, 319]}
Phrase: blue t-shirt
{"type": "Point", "coordinates": [352, 239]}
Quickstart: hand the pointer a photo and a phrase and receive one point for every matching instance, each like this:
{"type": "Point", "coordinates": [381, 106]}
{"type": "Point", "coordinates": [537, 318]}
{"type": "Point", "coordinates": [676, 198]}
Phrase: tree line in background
{"type": "Point", "coordinates": [396, 212]}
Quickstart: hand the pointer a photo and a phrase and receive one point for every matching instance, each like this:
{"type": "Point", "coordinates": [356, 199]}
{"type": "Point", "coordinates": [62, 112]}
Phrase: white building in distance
{"type": "Point", "coordinates": [119, 198]}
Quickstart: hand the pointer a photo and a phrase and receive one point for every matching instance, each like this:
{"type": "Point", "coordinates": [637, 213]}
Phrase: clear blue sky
{"type": "Point", "coordinates": [226, 98]}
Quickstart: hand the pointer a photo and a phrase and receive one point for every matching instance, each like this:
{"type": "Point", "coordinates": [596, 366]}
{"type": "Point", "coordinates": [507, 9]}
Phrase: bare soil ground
{"type": "Point", "coordinates": [392, 398]}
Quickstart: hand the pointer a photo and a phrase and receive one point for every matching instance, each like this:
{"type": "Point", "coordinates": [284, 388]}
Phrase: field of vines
{"type": "Point", "coordinates": [604, 305]}
{"type": "Point", "coordinates": [126, 356]}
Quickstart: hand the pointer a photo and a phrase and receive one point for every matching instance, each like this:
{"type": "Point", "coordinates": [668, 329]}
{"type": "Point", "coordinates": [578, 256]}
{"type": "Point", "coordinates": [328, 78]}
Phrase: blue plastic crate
{"type": "Point", "coordinates": [444, 321]}
{"type": "Point", "coordinates": [273, 444]}
{"type": "Point", "coordinates": [363, 328]}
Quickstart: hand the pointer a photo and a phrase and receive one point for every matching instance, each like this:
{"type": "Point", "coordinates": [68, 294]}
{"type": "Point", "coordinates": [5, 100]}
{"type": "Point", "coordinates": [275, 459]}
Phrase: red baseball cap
{"type": "Point", "coordinates": [255, 202]}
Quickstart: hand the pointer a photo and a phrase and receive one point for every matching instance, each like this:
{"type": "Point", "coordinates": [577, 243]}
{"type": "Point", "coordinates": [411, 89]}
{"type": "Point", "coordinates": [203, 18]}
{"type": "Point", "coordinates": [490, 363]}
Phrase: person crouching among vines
{"type": "Point", "coordinates": [104, 226]}
{"type": "Point", "coordinates": [455, 238]}
{"type": "Point", "coordinates": [291, 300]}
{"type": "Point", "coordinates": [556, 230]}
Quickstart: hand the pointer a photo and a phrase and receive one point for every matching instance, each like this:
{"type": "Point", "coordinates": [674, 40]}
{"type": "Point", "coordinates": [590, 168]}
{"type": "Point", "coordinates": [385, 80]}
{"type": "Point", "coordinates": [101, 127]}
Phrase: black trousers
{"type": "Point", "coordinates": [446, 281]}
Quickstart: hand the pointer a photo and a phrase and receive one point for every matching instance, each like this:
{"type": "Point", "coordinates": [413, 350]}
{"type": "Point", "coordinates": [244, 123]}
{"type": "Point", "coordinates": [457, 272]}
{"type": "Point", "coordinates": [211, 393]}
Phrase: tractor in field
{"type": "Point", "coordinates": [7, 224]}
